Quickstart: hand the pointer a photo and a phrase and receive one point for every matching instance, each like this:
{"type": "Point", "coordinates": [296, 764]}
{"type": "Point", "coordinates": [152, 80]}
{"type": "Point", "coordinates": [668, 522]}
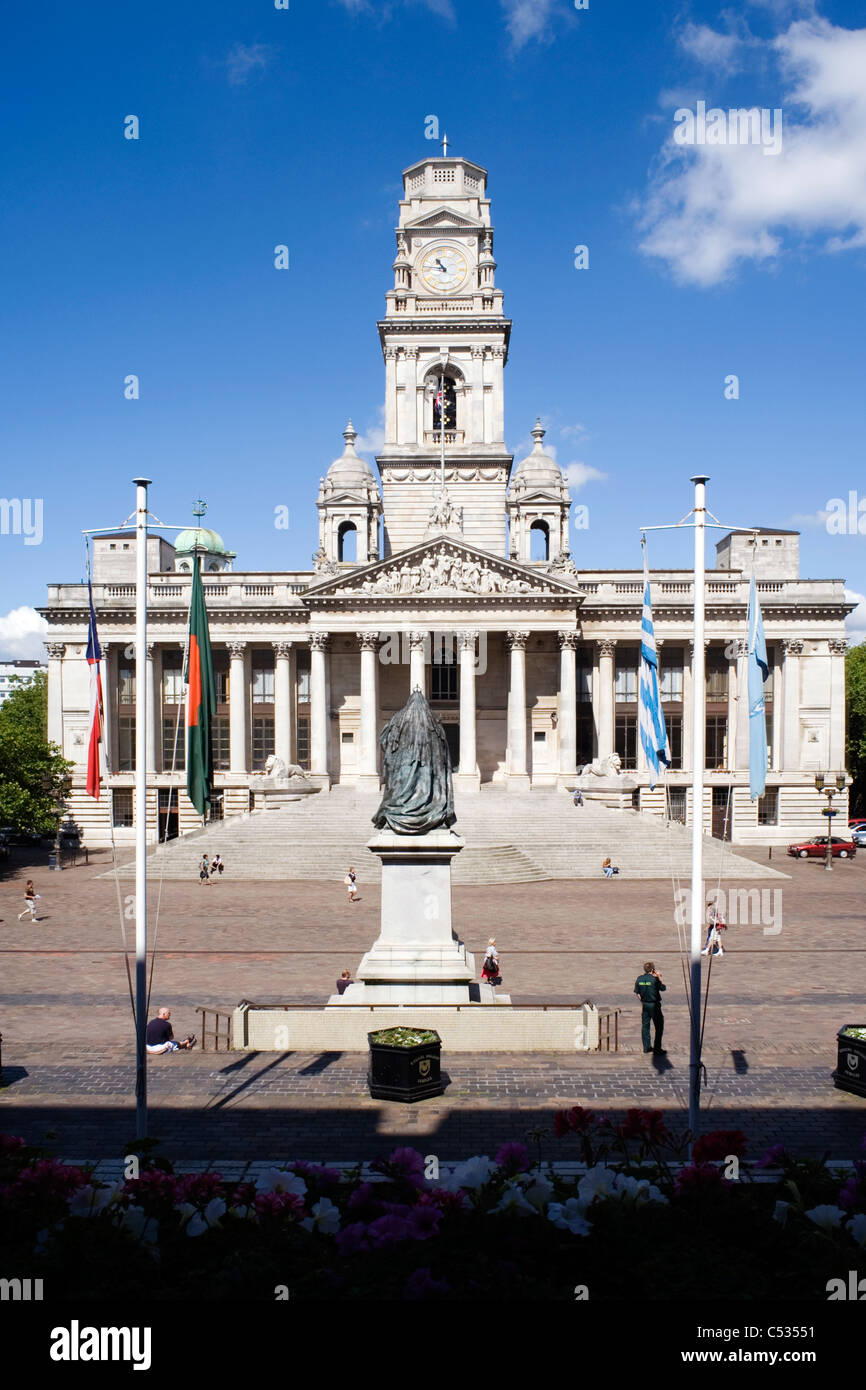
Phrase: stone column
{"type": "Point", "coordinates": [498, 356]}
{"type": "Point", "coordinates": [740, 737]}
{"type": "Point", "coordinates": [688, 707]}
{"type": "Point", "coordinates": [109, 702]}
{"type": "Point", "coordinates": [606, 697]}
{"type": "Point", "coordinates": [237, 709]}
{"type": "Point", "coordinates": [468, 774]}
{"type": "Point", "coordinates": [792, 648]}
{"type": "Point", "coordinates": [414, 399]}
{"type": "Point", "coordinates": [319, 714]}
{"type": "Point", "coordinates": [368, 762]}
{"type": "Point", "coordinates": [567, 704]}
{"type": "Point", "coordinates": [738, 708]}
{"type": "Point", "coordinates": [515, 757]}
{"type": "Point", "coordinates": [154, 714]}
{"type": "Point", "coordinates": [283, 741]}
{"type": "Point", "coordinates": [419, 643]}
{"type": "Point", "coordinates": [55, 652]}
{"type": "Point", "coordinates": [391, 395]}
{"type": "Point", "coordinates": [477, 423]}
{"type": "Point", "coordinates": [838, 648]}
{"type": "Point", "coordinates": [776, 742]}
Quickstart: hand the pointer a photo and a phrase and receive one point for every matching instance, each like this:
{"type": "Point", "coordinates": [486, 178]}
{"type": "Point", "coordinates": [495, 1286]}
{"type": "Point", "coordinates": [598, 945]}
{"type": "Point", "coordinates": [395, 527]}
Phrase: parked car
{"type": "Point", "coordinates": [858, 835]}
{"type": "Point", "coordinates": [817, 848]}
{"type": "Point", "coordinates": [855, 821]}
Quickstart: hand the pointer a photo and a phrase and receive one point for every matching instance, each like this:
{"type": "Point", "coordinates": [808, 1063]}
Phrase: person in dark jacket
{"type": "Point", "coordinates": [649, 987]}
{"type": "Point", "coordinates": [159, 1035]}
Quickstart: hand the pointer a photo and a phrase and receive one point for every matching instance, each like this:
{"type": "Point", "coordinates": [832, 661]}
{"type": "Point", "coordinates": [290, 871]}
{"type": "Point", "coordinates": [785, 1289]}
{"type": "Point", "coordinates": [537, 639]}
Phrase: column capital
{"type": "Point", "coordinates": [236, 649]}
{"type": "Point", "coordinates": [477, 350]}
{"type": "Point", "coordinates": [320, 641]}
{"type": "Point", "coordinates": [707, 641]}
{"type": "Point", "coordinates": [368, 641]}
{"type": "Point", "coordinates": [660, 641]}
{"type": "Point", "coordinates": [792, 646]}
{"type": "Point", "coordinates": [418, 640]}
{"type": "Point", "coordinates": [607, 646]}
{"type": "Point", "coordinates": [517, 639]}
{"type": "Point", "coordinates": [838, 646]}
{"type": "Point", "coordinates": [466, 640]}
{"type": "Point", "coordinates": [411, 351]}
{"type": "Point", "coordinates": [55, 650]}
{"type": "Point", "coordinates": [567, 639]}
{"type": "Point", "coordinates": [282, 648]}
{"type": "Point", "coordinates": [389, 353]}
{"type": "Point", "coordinates": [741, 648]}
{"type": "Point", "coordinates": [151, 648]}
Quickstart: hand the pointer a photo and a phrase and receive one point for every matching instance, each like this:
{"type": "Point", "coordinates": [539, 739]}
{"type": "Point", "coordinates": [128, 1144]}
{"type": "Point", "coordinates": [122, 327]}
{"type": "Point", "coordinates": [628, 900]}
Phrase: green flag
{"type": "Point", "coordinates": [200, 701]}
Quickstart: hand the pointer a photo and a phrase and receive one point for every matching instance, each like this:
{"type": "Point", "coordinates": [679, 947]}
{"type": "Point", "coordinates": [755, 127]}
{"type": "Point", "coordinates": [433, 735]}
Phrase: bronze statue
{"type": "Point", "coordinates": [416, 769]}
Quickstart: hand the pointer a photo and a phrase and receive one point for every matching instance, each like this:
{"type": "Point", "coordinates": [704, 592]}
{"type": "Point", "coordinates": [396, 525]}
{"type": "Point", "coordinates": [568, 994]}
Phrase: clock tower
{"type": "Point", "coordinates": [445, 342]}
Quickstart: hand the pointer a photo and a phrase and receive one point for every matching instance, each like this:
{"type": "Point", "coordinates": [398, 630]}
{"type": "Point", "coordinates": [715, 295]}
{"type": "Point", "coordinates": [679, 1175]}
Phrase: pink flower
{"type": "Point", "coordinates": [513, 1158]}
{"type": "Point", "coordinates": [407, 1164]}
{"type": "Point", "coordinates": [699, 1177]}
{"type": "Point", "coordinates": [773, 1158]}
{"type": "Point", "coordinates": [424, 1221]}
{"type": "Point", "coordinates": [279, 1204]}
{"type": "Point", "coordinates": [352, 1239]}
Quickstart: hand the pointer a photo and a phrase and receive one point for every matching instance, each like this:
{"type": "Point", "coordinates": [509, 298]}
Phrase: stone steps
{"type": "Point", "coordinates": [520, 837]}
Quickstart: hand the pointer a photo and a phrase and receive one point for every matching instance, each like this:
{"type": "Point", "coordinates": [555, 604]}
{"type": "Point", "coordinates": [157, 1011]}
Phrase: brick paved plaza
{"type": "Point", "coordinates": [775, 1005]}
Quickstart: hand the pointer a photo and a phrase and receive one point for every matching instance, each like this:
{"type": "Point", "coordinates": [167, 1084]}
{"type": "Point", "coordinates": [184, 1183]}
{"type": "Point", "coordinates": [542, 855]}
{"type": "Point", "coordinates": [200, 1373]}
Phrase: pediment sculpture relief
{"type": "Point", "coordinates": [443, 570]}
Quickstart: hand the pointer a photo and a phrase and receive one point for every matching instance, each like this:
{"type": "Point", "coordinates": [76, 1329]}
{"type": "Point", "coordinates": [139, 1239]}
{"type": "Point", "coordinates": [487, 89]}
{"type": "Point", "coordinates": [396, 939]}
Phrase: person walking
{"type": "Point", "coordinates": [715, 927]}
{"type": "Point", "coordinates": [490, 965]}
{"type": "Point", "coordinates": [649, 987]}
{"type": "Point", "coordinates": [30, 898]}
{"type": "Point", "coordinates": [204, 871]}
{"type": "Point", "coordinates": [351, 884]}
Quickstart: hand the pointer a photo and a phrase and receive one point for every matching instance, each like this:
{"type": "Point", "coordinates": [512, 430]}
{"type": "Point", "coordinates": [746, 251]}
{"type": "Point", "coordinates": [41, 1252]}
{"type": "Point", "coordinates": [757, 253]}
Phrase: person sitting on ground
{"type": "Point", "coordinates": [577, 797]}
{"type": "Point", "coordinates": [344, 981]}
{"type": "Point", "coordinates": [159, 1036]}
{"type": "Point", "coordinates": [217, 865]}
{"type": "Point", "coordinates": [609, 869]}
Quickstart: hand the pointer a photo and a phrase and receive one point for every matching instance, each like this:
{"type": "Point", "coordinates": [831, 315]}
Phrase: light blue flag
{"type": "Point", "coordinates": [651, 720]}
{"type": "Point", "coordinates": [759, 669]}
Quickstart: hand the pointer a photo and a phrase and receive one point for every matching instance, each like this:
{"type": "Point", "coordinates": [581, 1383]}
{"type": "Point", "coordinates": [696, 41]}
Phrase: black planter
{"type": "Point", "coordinates": [850, 1073]}
{"type": "Point", "coordinates": [404, 1073]}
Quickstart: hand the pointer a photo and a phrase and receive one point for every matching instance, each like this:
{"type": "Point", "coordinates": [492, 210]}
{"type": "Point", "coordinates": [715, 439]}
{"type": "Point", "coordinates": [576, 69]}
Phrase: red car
{"type": "Point", "coordinates": [817, 848]}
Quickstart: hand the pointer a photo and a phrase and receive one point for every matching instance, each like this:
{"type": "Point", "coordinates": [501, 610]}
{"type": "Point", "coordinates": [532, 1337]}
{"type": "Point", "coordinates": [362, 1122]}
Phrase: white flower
{"type": "Point", "coordinates": [139, 1224]}
{"type": "Point", "coordinates": [325, 1218]}
{"type": "Point", "coordinates": [536, 1189]}
{"type": "Point", "coordinates": [513, 1200]}
{"type": "Point", "coordinates": [280, 1180]}
{"type": "Point", "coordinates": [197, 1222]}
{"type": "Point", "coordinates": [780, 1212]}
{"type": "Point", "coordinates": [474, 1173]}
{"type": "Point", "coordinates": [568, 1216]}
{"type": "Point", "coordinates": [599, 1181]}
{"type": "Point", "coordinates": [827, 1217]}
{"type": "Point", "coordinates": [90, 1201]}
{"type": "Point", "coordinates": [857, 1227]}
{"type": "Point", "coordinates": [639, 1189]}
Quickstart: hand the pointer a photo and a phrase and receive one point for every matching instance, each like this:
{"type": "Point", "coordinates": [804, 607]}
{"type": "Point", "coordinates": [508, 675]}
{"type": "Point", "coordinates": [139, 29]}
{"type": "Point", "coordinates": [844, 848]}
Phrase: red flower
{"type": "Point", "coordinates": [560, 1123]}
{"type": "Point", "coordinates": [648, 1125]}
{"type": "Point", "coordinates": [699, 1177]}
{"type": "Point", "coordinates": [722, 1143]}
{"type": "Point", "coordinates": [580, 1119]}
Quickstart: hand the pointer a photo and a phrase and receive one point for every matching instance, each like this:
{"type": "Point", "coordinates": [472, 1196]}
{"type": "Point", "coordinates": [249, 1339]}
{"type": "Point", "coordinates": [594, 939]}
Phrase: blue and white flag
{"type": "Point", "coordinates": [651, 720]}
{"type": "Point", "coordinates": [759, 669]}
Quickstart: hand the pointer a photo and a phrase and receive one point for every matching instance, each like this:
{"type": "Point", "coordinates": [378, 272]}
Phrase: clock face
{"type": "Point", "coordinates": [444, 269]}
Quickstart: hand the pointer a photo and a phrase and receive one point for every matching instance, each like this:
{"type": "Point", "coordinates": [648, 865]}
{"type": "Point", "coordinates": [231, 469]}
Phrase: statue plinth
{"type": "Point", "coordinates": [416, 958]}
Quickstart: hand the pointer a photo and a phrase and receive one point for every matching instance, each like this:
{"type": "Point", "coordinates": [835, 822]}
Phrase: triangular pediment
{"type": "Point", "coordinates": [442, 218]}
{"type": "Point", "coordinates": [444, 565]}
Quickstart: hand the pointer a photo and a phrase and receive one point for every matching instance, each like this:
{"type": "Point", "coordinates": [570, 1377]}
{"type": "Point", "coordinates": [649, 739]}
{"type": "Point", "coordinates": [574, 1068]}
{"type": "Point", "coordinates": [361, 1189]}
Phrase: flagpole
{"type": "Point", "coordinates": [699, 698]}
{"type": "Point", "coordinates": [141, 698]}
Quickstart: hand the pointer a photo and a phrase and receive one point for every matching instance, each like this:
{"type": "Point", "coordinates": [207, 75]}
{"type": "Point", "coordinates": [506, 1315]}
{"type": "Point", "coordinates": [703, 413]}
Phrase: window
{"type": "Point", "coordinates": [216, 807]}
{"type": "Point", "coordinates": [584, 675]}
{"type": "Point", "coordinates": [674, 725]}
{"type": "Point", "coordinates": [584, 735]}
{"type": "Point", "coordinates": [768, 807]}
{"type": "Point", "coordinates": [126, 685]}
{"type": "Point", "coordinates": [126, 743]}
{"type": "Point", "coordinates": [304, 686]}
{"type": "Point", "coordinates": [625, 679]}
{"type": "Point", "coordinates": [443, 681]}
{"type": "Point", "coordinates": [347, 736]}
{"type": "Point", "coordinates": [221, 743]}
{"type": "Point", "coordinates": [717, 739]}
{"type": "Point", "coordinates": [676, 797]}
{"type": "Point", "coordinates": [121, 807]}
{"type": "Point", "coordinates": [539, 541]}
{"type": "Point", "coordinates": [172, 678]}
{"type": "Point", "coordinates": [717, 678]}
{"type": "Point", "coordinates": [671, 675]}
{"type": "Point", "coordinates": [263, 741]}
{"type": "Point", "coordinates": [221, 683]}
{"type": "Point", "coordinates": [539, 736]}
{"type": "Point", "coordinates": [173, 740]}
{"type": "Point", "coordinates": [450, 412]}
{"type": "Point", "coordinates": [347, 542]}
{"type": "Point", "coordinates": [626, 740]}
{"type": "Point", "coordinates": [263, 685]}
{"type": "Point", "coordinates": [304, 743]}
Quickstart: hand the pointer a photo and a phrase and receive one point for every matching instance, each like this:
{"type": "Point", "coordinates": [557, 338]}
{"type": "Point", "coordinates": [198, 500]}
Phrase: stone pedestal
{"type": "Point", "coordinates": [416, 959]}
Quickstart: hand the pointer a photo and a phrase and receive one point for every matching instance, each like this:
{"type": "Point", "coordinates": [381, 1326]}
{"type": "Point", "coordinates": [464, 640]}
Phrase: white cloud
{"type": "Point", "coordinates": [577, 474]}
{"type": "Point", "coordinates": [245, 60]}
{"type": "Point", "coordinates": [577, 431]}
{"type": "Point", "coordinates": [22, 634]}
{"type": "Point", "coordinates": [855, 623]}
{"type": "Point", "coordinates": [374, 437]}
{"type": "Point", "coordinates": [444, 8]}
{"type": "Point", "coordinates": [526, 20]}
{"type": "Point", "coordinates": [709, 208]}
{"type": "Point", "coordinates": [720, 51]}
{"type": "Point", "coordinates": [810, 519]}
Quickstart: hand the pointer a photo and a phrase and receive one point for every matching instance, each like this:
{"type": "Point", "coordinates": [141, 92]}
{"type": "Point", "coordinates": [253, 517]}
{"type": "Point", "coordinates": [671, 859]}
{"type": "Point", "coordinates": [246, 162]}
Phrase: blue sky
{"type": "Point", "coordinates": [261, 126]}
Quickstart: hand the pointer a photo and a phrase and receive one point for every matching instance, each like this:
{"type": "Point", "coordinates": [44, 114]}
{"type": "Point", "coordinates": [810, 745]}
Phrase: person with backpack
{"type": "Point", "coordinates": [490, 965]}
{"type": "Point", "coordinates": [204, 871]}
{"type": "Point", "coordinates": [351, 885]}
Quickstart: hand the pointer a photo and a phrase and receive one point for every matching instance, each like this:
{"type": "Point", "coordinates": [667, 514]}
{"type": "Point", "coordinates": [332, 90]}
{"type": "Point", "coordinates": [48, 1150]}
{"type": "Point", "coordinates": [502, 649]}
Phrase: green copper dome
{"type": "Point", "coordinates": [199, 537]}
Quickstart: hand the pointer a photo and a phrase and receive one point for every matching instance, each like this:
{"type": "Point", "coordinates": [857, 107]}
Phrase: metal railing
{"type": "Point", "coordinates": [604, 1030]}
{"type": "Point", "coordinates": [220, 1016]}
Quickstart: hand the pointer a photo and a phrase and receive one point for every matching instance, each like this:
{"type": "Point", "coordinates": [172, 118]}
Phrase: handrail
{"type": "Point", "coordinates": [250, 1004]}
{"type": "Point", "coordinates": [218, 1036]}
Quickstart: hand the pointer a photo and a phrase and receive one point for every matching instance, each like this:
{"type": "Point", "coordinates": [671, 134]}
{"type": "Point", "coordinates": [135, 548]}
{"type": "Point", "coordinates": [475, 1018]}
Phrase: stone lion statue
{"type": "Point", "coordinates": [611, 766]}
{"type": "Point", "coordinates": [275, 767]}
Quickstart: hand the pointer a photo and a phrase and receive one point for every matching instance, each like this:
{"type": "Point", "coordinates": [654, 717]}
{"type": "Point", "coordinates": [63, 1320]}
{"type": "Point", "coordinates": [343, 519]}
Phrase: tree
{"type": "Point", "coordinates": [855, 701]}
{"type": "Point", "coordinates": [34, 776]}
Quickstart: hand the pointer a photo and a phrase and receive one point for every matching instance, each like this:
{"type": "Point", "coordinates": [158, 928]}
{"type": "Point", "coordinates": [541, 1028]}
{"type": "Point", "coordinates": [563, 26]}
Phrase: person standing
{"type": "Point", "coordinates": [490, 965]}
{"type": "Point", "coordinates": [30, 897]}
{"type": "Point", "coordinates": [649, 987]}
{"type": "Point", "coordinates": [350, 882]}
{"type": "Point", "coordinates": [204, 871]}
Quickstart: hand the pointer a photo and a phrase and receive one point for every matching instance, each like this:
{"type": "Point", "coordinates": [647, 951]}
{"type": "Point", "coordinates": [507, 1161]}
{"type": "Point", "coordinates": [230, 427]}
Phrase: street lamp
{"type": "Point", "coordinates": [830, 783]}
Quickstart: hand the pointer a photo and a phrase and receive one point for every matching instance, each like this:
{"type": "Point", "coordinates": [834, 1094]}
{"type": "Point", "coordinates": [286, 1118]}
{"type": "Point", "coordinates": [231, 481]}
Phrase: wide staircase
{"type": "Point", "coordinates": [511, 837]}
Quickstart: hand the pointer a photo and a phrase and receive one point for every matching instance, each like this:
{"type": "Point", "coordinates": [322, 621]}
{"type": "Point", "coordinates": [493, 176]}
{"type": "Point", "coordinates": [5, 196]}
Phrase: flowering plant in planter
{"type": "Point", "coordinates": [637, 1221]}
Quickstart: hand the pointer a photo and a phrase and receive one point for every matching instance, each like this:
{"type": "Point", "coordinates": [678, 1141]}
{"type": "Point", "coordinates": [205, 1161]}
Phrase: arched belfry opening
{"type": "Point", "coordinates": [347, 542]}
{"type": "Point", "coordinates": [445, 403]}
{"type": "Point", "coordinates": [539, 540]}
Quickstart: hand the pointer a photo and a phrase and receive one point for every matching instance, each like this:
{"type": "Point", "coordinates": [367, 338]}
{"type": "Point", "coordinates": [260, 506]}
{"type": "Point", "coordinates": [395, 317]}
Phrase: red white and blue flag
{"type": "Point", "coordinates": [96, 741]}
